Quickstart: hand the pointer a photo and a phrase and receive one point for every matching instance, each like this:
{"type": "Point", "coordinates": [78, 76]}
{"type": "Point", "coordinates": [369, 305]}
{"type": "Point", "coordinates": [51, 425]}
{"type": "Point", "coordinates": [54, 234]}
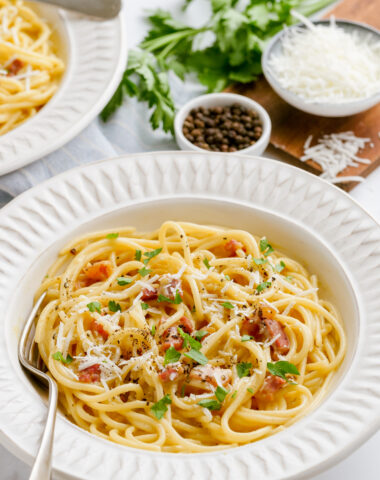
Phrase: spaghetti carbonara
{"type": "Point", "coordinates": [190, 338]}
{"type": "Point", "coordinates": [29, 68]}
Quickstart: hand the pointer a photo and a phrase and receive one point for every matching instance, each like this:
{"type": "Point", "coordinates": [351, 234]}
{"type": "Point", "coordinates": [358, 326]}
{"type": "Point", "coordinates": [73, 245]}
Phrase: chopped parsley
{"type": "Point", "coordinates": [260, 261]}
{"type": "Point", "coordinates": [60, 358]}
{"type": "Point", "coordinates": [177, 299]}
{"type": "Point", "coordinates": [206, 262]}
{"type": "Point", "coordinates": [246, 338]}
{"type": "Point", "coordinates": [153, 330]}
{"type": "Point", "coordinates": [234, 394]}
{"type": "Point", "coordinates": [94, 306]}
{"type": "Point", "coordinates": [262, 286]}
{"type": "Point", "coordinates": [188, 340]}
{"type": "Point", "coordinates": [228, 305]}
{"type": "Point", "coordinates": [144, 305]}
{"type": "Point", "coordinates": [210, 404]}
{"type": "Point", "coordinates": [243, 369]}
{"type": "Point", "coordinates": [199, 334]}
{"type": "Point", "coordinates": [227, 277]}
{"type": "Point", "coordinates": [265, 247]}
{"type": "Point", "coordinates": [280, 266]}
{"type": "Point", "coordinates": [221, 393]}
{"type": "Point", "coordinates": [160, 408]}
{"type": "Point", "coordinates": [144, 271]}
{"type": "Point", "coordinates": [197, 356]}
{"type": "Point", "coordinates": [151, 254]}
{"type": "Point", "coordinates": [183, 388]}
{"type": "Point", "coordinates": [124, 281]}
{"type": "Point", "coordinates": [249, 390]}
{"type": "Point", "coordinates": [113, 306]}
{"type": "Point", "coordinates": [281, 368]}
{"type": "Point", "coordinates": [138, 255]}
{"type": "Point", "coordinates": [112, 235]}
{"type": "Point", "coordinates": [171, 355]}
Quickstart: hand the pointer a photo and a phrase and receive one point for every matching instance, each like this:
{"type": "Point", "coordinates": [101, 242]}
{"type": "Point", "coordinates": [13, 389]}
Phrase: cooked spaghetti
{"type": "Point", "coordinates": [29, 69]}
{"type": "Point", "coordinates": [187, 339]}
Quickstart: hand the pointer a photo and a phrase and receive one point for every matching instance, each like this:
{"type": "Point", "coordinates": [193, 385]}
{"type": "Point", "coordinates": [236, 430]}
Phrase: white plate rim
{"type": "Point", "coordinates": [28, 142]}
{"type": "Point", "coordinates": [282, 177]}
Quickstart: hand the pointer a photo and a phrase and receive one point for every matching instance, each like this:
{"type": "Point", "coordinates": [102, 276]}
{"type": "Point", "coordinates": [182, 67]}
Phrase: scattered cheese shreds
{"type": "Point", "coordinates": [336, 151]}
{"type": "Point", "coordinates": [327, 64]}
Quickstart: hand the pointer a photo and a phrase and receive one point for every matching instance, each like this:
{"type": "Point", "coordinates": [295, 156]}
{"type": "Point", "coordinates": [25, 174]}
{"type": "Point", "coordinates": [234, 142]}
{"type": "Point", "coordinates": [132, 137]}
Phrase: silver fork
{"type": "Point", "coordinates": [30, 359]}
{"type": "Point", "coordinates": [104, 9]}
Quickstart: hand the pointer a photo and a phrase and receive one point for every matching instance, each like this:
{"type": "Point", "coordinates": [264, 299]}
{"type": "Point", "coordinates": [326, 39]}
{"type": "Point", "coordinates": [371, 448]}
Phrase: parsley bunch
{"type": "Point", "coordinates": [239, 32]}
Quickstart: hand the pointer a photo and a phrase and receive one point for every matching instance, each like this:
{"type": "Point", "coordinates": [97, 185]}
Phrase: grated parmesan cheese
{"type": "Point", "coordinates": [327, 64]}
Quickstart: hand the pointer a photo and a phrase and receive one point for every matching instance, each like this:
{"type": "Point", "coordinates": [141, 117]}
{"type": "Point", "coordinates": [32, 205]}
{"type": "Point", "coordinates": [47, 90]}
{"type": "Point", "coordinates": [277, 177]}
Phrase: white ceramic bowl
{"type": "Point", "coordinates": [310, 219]}
{"type": "Point", "coordinates": [223, 100]}
{"type": "Point", "coordinates": [342, 109]}
{"type": "Point", "coordinates": [95, 54]}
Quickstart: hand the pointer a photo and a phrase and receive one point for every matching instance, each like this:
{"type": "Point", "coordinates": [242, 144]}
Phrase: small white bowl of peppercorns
{"type": "Point", "coordinates": [223, 122]}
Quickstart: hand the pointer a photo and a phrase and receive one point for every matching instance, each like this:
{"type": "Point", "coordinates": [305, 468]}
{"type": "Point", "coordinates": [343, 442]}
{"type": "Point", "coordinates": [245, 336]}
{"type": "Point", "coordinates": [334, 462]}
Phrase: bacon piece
{"type": "Point", "coordinates": [148, 294]}
{"type": "Point", "coordinates": [186, 325]}
{"type": "Point", "coordinates": [275, 329]}
{"type": "Point", "coordinates": [232, 246]}
{"type": "Point", "coordinates": [169, 287]}
{"type": "Point", "coordinates": [98, 327]}
{"type": "Point", "coordinates": [209, 374]}
{"type": "Point", "coordinates": [124, 397]}
{"type": "Point", "coordinates": [172, 339]}
{"type": "Point", "coordinates": [98, 272]}
{"type": "Point", "coordinates": [272, 384]}
{"type": "Point", "coordinates": [168, 374]}
{"type": "Point", "coordinates": [252, 327]}
{"type": "Point", "coordinates": [90, 374]}
{"type": "Point", "coordinates": [14, 67]}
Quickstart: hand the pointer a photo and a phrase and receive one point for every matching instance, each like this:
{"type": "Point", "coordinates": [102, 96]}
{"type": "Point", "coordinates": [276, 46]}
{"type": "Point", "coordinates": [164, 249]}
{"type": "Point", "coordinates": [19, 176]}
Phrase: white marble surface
{"type": "Point", "coordinates": [129, 131]}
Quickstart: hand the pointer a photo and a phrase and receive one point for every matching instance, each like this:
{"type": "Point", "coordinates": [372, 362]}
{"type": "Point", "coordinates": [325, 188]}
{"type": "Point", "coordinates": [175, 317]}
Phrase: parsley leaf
{"type": "Point", "coordinates": [210, 404]}
{"type": "Point", "coordinates": [221, 393]}
{"type": "Point", "coordinates": [228, 305]}
{"type": "Point", "coordinates": [94, 306]}
{"type": "Point", "coordinates": [250, 390]}
{"type": "Point", "coordinates": [281, 368]}
{"type": "Point", "coordinates": [246, 338]}
{"type": "Point", "coordinates": [177, 299]}
{"type": "Point", "coordinates": [227, 277]}
{"type": "Point", "coordinates": [243, 369]}
{"type": "Point", "coordinates": [160, 408]}
{"type": "Point", "coordinates": [144, 271]}
{"type": "Point", "coordinates": [260, 261]}
{"type": "Point", "coordinates": [59, 357]}
{"type": "Point", "coordinates": [153, 330]}
{"type": "Point", "coordinates": [197, 356]}
{"type": "Point", "coordinates": [234, 394]}
{"type": "Point", "coordinates": [151, 254]}
{"type": "Point", "coordinates": [112, 235]}
{"type": "Point", "coordinates": [280, 266]}
{"type": "Point", "coordinates": [199, 334]}
{"type": "Point", "coordinates": [113, 306]}
{"type": "Point", "coordinates": [171, 355]}
{"type": "Point", "coordinates": [262, 286]}
{"type": "Point", "coordinates": [265, 247]}
{"type": "Point", "coordinates": [123, 281]}
{"type": "Point", "coordinates": [189, 340]}
{"type": "Point", "coordinates": [206, 262]}
{"type": "Point", "coordinates": [144, 305]}
{"type": "Point", "coordinates": [138, 255]}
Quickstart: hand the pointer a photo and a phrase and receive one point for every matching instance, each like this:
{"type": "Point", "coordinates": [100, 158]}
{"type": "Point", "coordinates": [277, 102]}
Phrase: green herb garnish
{"type": "Point", "coordinates": [281, 368]}
{"type": "Point", "coordinates": [265, 247]}
{"type": "Point", "coordinates": [123, 281]}
{"type": "Point", "coordinates": [246, 338]}
{"type": "Point", "coordinates": [228, 305]}
{"type": "Point", "coordinates": [206, 262]}
{"type": "Point", "coordinates": [210, 404]}
{"type": "Point", "coordinates": [144, 271]}
{"type": "Point", "coordinates": [227, 277]}
{"type": "Point", "coordinates": [113, 306]}
{"type": "Point", "coordinates": [250, 390]}
{"type": "Point", "coordinates": [94, 306]}
{"type": "Point", "coordinates": [110, 236]}
{"type": "Point", "coordinates": [144, 305]}
{"type": "Point", "coordinates": [177, 299]}
{"type": "Point", "coordinates": [262, 286]}
{"type": "Point", "coordinates": [153, 330]}
{"type": "Point", "coordinates": [234, 394]}
{"type": "Point", "coordinates": [280, 266]}
{"type": "Point", "coordinates": [171, 355]}
{"type": "Point", "coordinates": [138, 254]}
{"type": "Point", "coordinates": [60, 358]}
{"type": "Point", "coordinates": [260, 261]}
{"type": "Point", "coordinates": [151, 254]}
{"type": "Point", "coordinates": [221, 393]}
{"type": "Point", "coordinates": [197, 356]}
{"type": "Point", "coordinates": [243, 369]}
{"type": "Point", "coordinates": [160, 408]}
{"type": "Point", "coordinates": [199, 334]}
{"type": "Point", "coordinates": [188, 340]}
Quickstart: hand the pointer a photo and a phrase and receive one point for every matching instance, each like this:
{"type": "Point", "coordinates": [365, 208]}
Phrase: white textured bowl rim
{"type": "Point", "coordinates": [97, 52]}
{"type": "Point", "coordinates": [273, 80]}
{"type": "Point", "coordinates": [196, 101]}
{"type": "Point", "coordinates": [350, 414]}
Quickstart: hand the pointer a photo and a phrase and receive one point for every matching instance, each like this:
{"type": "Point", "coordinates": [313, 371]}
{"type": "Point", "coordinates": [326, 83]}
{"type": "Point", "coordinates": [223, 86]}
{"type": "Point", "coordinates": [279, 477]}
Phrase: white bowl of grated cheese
{"type": "Point", "coordinates": [328, 68]}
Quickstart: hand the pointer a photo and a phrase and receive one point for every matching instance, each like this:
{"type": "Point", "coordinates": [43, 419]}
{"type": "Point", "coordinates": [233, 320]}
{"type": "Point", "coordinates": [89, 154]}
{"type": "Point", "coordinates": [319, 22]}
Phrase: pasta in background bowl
{"type": "Point", "coordinates": [303, 218]}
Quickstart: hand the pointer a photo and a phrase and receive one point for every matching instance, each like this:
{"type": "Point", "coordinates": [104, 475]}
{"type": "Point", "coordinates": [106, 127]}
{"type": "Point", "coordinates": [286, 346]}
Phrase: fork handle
{"type": "Point", "coordinates": [42, 465]}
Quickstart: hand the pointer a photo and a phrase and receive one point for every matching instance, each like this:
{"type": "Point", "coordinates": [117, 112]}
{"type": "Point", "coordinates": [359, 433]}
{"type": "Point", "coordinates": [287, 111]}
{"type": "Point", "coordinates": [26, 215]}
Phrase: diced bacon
{"type": "Point", "coordinates": [272, 384]}
{"type": "Point", "coordinates": [232, 246]}
{"type": "Point", "coordinates": [90, 374]}
{"type": "Point", "coordinates": [169, 287]}
{"type": "Point", "coordinates": [98, 327]}
{"type": "Point", "coordinates": [186, 325]}
{"type": "Point", "coordinates": [168, 374]}
{"type": "Point", "coordinates": [213, 375]}
{"type": "Point", "coordinates": [252, 327]}
{"type": "Point", "coordinates": [124, 397]}
{"type": "Point", "coordinates": [14, 67]}
{"type": "Point", "coordinates": [148, 294]}
{"type": "Point", "coordinates": [275, 329]}
{"type": "Point", "coordinates": [172, 339]}
{"type": "Point", "coordinates": [98, 272]}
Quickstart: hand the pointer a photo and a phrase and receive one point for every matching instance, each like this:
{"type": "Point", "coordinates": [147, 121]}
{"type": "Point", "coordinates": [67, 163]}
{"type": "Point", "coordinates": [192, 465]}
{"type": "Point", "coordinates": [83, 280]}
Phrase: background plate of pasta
{"type": "Point", "coordinates": [48, 94]}
{"type": "Point", "coordinates": [205, 316]}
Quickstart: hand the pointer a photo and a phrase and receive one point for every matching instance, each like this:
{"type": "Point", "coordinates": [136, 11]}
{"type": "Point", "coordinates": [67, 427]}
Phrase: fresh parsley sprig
{"type": "Point", "coordinates": [281, 368]}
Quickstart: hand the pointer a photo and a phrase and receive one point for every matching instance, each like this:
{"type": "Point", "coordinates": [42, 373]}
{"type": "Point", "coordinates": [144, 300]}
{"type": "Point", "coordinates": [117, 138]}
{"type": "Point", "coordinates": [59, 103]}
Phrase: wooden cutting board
{"type": "Point", "coordinates": [291, 127]}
